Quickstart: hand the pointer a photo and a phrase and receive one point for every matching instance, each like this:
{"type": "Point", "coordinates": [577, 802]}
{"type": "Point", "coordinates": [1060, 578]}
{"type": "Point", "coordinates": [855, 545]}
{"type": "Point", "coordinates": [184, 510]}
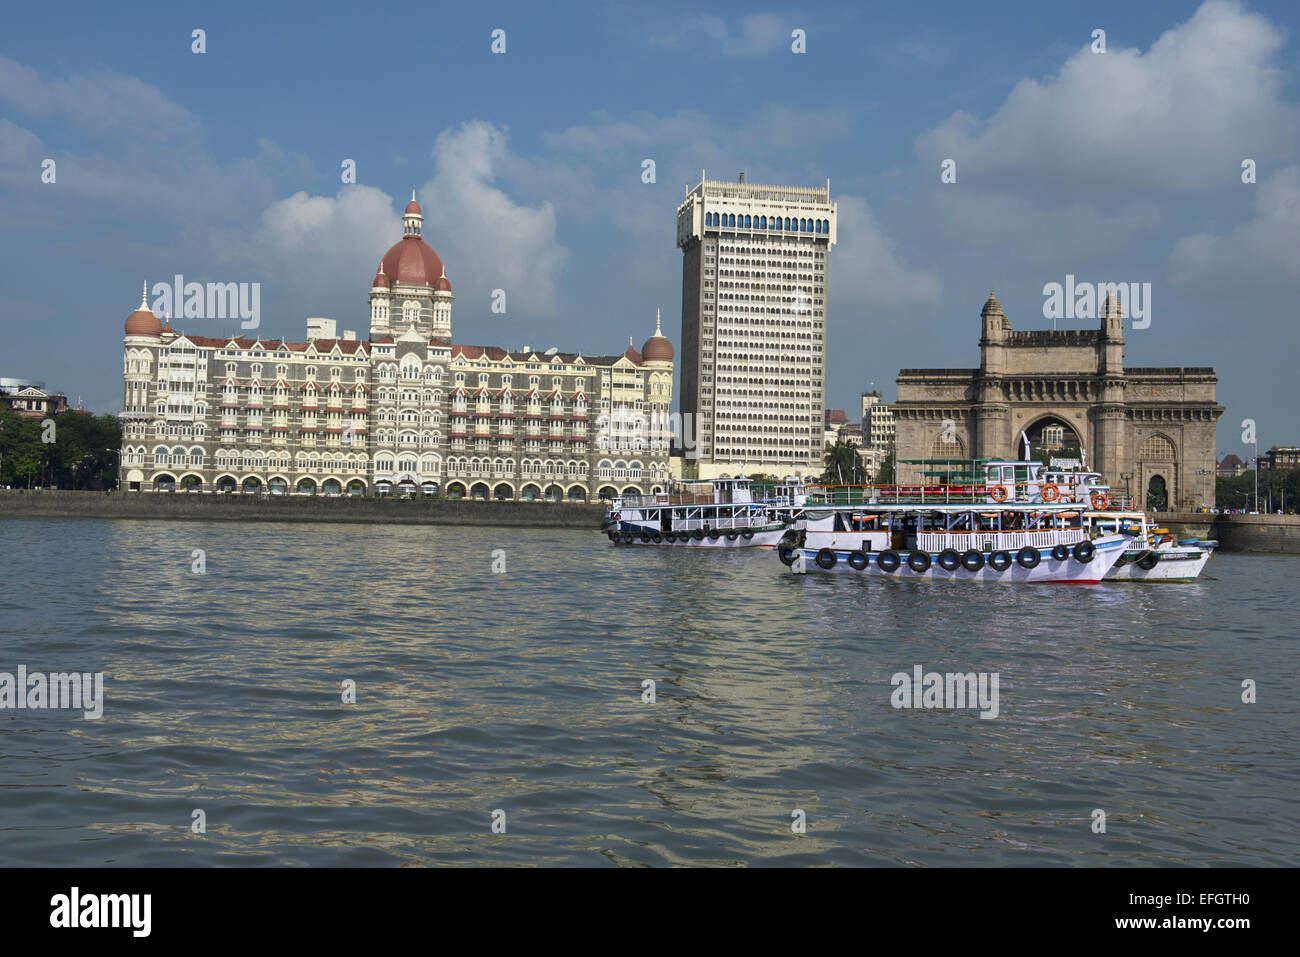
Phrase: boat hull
{"type": "Point", "coordinates": [1071, 571]}
{"type": "Point", "coordinates": [766, 537]}
{"type": "Point", "coordinates": [1180, 564]}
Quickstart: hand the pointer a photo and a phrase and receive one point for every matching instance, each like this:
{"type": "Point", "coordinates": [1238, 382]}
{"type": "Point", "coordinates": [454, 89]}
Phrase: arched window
{"type": "Point", "coordinates": [1157, 448]}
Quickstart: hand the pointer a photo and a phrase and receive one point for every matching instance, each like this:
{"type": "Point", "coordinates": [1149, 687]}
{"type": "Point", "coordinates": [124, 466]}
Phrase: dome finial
{"type": "Point", "coordinates": [658, 332]}
{"type": "Point", "coordinates": [412, 194]}
{"type": "Point", "coordinates": [144, 295]}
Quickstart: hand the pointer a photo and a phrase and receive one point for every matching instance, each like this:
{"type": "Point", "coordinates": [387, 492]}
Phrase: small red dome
{"type": "Point", "coordinates": [413, 207]}
{"type": "Point", "coordinates": [142, 322]}
{"type": "Point", "coordinates": [657, 349]}
{"type": "Point", "coordinates": [381, 281]}
{"type": "Point", "coordinates": [411, 260]}
{"type": "Point", "coordinates": [442, 285]}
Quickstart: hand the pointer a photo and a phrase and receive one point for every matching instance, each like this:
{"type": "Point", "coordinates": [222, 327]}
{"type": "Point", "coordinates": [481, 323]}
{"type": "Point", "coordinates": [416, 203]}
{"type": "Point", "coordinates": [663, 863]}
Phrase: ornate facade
{"type": "Point", "coordinates": [404, 410]}
{"type": "Point", "coordinates": [1147, 430]}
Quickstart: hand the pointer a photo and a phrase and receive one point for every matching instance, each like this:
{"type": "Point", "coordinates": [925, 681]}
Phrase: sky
{"type": "Point", "coordinates": [227, 166]}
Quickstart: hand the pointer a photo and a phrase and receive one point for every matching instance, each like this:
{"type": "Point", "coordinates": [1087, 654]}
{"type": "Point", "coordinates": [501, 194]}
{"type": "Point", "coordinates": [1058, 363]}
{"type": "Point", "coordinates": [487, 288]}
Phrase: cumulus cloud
{"type": "Point", "coordinates": [754, 35]}
{"type": "Point", "coordinates": [1181, 115]}
{"type": "Point", "coordinates": [486, 239]}
{"type": "Point", "coordinates": [1257, 259]}
{"type": "Point", "coordinates": [315, 240]}
{"type": "Point", "coordinates": [866, 271]}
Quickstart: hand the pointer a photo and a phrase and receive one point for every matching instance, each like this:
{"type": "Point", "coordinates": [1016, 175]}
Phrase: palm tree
{"type": "Point", "coordinates": [842, 463]}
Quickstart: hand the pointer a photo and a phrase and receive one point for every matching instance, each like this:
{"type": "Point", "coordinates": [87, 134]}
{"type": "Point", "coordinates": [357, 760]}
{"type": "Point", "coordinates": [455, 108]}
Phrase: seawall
{"type": "Point", "coordinates": [1278, 534]}
{"type": "Point", "coordinates": [256, 508]}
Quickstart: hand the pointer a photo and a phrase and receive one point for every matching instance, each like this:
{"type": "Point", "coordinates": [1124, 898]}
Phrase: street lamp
{"type": "Point", "coordinates": [118, 479]}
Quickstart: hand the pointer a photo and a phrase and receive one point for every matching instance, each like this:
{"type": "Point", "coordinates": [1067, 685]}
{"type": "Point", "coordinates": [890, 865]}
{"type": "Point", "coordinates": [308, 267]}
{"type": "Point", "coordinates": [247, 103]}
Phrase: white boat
{"type": "Point", "coordinates": [1152, 555]}
{"type": "Point", "coordinates": [724, 513]}
{"type": "Point", "coordinates": [1014, 544]}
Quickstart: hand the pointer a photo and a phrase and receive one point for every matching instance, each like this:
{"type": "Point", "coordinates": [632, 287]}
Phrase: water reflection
{"type": "Point", "coordinates": [522, 691]}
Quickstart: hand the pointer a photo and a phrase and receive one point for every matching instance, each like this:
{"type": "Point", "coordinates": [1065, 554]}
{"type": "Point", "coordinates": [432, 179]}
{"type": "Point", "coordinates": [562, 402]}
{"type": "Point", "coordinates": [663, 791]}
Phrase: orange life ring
{"type": "Point", "coordinates": [1050, 493]}
{"type": "Point", "coordinates": [999, 493]}
{"type": "Point", "coordinates": [1100, 501]}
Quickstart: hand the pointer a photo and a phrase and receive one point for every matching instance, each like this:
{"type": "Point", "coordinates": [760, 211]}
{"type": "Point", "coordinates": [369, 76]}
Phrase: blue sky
{"type": "Point", "coordinates": [225, 166]}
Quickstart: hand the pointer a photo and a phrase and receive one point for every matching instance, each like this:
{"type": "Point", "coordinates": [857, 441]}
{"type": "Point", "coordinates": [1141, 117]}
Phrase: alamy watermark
{"type": "Point", "coordinates": [213, 300]}
{"type": "Point", "coordinates": [952, 690]}
{"type": "Point", "coordinates": [36, 690]}
{"type": "Point", "coordinates": [1085, 300]}
{"type": "Point", "coordinates": [635, 430]}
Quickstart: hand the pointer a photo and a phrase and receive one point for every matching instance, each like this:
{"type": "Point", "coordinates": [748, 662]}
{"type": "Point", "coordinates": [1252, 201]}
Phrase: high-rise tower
{"type": "Point", "coordinates": [754, 275]}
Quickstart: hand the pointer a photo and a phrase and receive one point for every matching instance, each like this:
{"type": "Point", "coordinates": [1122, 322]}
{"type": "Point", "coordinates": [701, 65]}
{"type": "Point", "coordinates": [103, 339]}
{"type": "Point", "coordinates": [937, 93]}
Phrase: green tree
{"type": "Point", "coordinates": [21, 451]}
{"type": "Point", "coordinates": [842, 463]}
{"type": "Point", "coordinates": [885, 475]}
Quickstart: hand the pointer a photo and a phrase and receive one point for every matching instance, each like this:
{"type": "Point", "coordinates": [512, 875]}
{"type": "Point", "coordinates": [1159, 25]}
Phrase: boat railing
{"type": "Point", "coordinates": [722, 523]}
{"type": "Point", "coordinates": [947, 494]}
{"type": "Point", "coordinates": [961, 541]}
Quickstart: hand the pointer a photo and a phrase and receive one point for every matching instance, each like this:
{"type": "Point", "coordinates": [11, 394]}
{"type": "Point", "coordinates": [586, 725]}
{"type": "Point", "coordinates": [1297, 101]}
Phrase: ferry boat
{"type": "Point", "coordinates": [1014, 544]}
{"type": "Point", "coordinates": [990, 481]}
{"type": "Point", "coordinates": [724, 513]}
{"type": "Point", "coordinates": [1152, 554]}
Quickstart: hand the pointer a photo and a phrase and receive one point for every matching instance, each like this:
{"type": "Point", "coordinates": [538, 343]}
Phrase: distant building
{"type": "Point", "coordinates": [403, 410]}
{"type": "Point", "coordinates": [836, 418]}
{"type": "Point", "coordinates": [1149, 431]}
{"type": "Point", "coordinates": [1230, 467]}
{"type": "Point", "coordinates": [754, 274]}
{"type": "Point", "coordinates": [877, 422]}
{"type": "Point", "coordinates": [1281, 457]}
{"type": "Point", "coordinates": [30, 399]}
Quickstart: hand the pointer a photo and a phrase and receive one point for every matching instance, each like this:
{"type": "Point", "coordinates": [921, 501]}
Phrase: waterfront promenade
{"type": "Point", "coordinates": [1276, 534]}
{"type": "Point", "coordinates": [296, 508]}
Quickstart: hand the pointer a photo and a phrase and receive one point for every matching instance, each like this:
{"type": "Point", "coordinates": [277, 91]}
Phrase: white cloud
{"type": "Point", "coordinates": [865, 270]}
{"type": "Point", "coordinates": [316, 241]}
{"type": "Point", "coordinates": [755, 35]}
{"type": "Point", "coordinates": [1258, 259]}
{"type": "Point", "coordinates": [1182, 115]}
{"type": "Point", "coordinates": [485, 238]}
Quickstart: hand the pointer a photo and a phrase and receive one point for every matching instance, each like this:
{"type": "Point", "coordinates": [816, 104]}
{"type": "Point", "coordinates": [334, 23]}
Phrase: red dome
{"type": "Point", "coordinates": [657, 349]}
{"type": "Point", "coordinates": [412, 261]}
{"type": "Point", "coordinates": [142, 322]}
{"type": "Point", "coordinates": [413, 207]}
{"type": "Point", "coordinates": [380, 279]}
{"type": "Point", "coordinates": [442, 285]}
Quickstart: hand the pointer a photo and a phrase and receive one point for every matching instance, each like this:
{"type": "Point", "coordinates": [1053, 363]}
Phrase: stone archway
{"type": "Point", "coordinates": [1051, 435]}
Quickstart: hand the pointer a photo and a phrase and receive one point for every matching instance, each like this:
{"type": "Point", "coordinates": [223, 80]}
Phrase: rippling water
{"type": "Point", "coordinates": [521, 691]}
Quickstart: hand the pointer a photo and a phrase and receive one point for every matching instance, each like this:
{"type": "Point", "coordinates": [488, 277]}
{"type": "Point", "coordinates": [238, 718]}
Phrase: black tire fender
{"type": "Point", "coordinates": [1028, 557]}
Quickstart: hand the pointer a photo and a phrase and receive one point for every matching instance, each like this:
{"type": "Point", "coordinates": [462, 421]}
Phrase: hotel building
{"type": "Point", "coordinates": [404, 410]}
{"type": "Point", "coordinates": [754, 279]}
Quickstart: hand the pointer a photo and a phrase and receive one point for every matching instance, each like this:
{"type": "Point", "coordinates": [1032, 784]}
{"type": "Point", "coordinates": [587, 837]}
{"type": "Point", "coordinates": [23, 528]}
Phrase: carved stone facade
{"type": "Point", "coordinates": [1144, 429]}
